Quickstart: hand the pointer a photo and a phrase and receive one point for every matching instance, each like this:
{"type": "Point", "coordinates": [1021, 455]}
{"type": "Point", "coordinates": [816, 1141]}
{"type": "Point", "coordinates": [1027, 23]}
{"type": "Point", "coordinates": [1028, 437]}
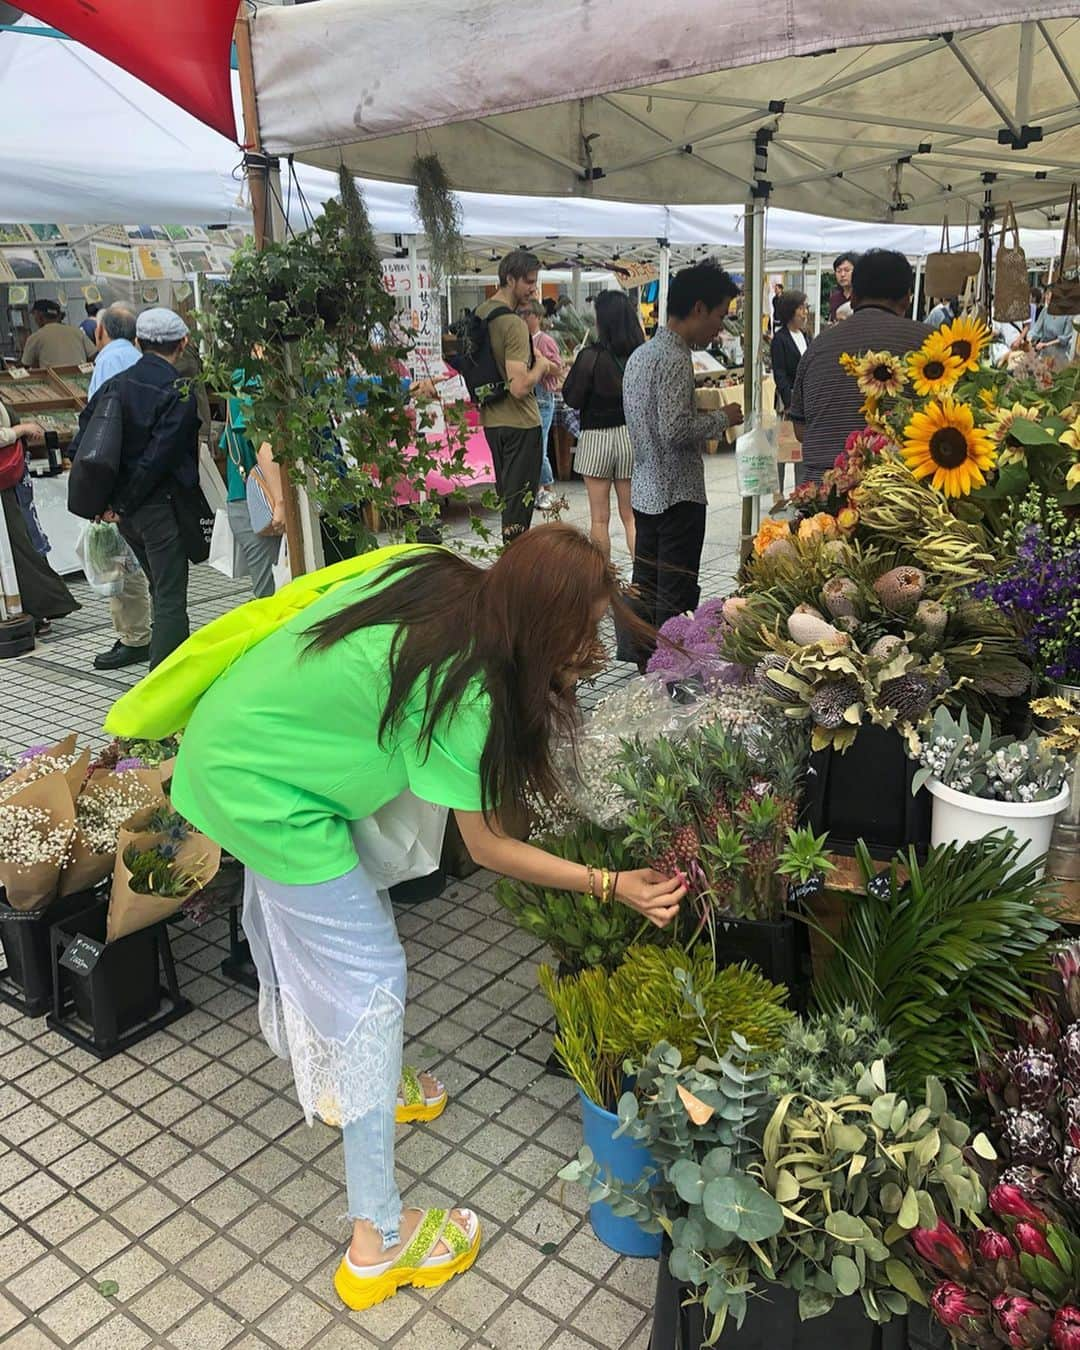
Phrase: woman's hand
{"type": "Point", "coordinates": [653, 895]}
{"type": "Point", "coordinates": [30, 431]}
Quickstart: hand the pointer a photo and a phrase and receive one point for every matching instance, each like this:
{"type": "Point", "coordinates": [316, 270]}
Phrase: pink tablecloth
{"type": "Point", "coordinates": [477, 457]}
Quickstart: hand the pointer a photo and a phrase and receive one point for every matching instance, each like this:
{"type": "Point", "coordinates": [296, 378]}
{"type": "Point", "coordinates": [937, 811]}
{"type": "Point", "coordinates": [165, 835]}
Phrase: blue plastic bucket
{"type": "Point", "coordinates": [623, 1158]}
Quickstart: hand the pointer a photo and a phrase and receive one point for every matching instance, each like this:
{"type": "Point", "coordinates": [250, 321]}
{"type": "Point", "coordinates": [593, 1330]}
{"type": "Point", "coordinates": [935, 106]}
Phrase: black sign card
{"type": "Point", "coordinates": [81, 955]}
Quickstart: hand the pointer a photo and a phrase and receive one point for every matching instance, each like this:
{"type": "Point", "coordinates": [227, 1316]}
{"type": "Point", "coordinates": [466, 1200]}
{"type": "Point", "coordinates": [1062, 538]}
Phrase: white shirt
{"type": "Point", "coordinates": [799, 338]}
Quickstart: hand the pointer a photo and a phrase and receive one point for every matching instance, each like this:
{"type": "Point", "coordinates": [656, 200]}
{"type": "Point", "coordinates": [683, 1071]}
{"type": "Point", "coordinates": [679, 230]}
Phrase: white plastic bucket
{"type": "Point", "coordinates": [960, 818]}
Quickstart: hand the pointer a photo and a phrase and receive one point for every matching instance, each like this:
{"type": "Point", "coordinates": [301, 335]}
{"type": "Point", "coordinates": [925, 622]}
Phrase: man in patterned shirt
{"type": "Point", "coordinates": [668, 434]}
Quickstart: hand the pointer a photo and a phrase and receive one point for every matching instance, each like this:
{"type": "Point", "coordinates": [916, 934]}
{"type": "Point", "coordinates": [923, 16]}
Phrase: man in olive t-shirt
{"type": "Point", "coordinates": [512, 425]}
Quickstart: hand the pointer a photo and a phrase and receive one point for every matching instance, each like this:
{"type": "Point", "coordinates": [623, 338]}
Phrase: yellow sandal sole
{"type": "Point", "coordinates": [359, 1292]}
{"type": "Point", "coordinates": [421, 1111]}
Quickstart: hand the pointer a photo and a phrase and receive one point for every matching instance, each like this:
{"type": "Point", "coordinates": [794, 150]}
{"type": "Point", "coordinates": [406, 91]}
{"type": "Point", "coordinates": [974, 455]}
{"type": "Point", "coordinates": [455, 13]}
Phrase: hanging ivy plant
{"type": "Point", "coordinates": [323, 357]}
{"type": "Point", "coordinates": [438, 212]}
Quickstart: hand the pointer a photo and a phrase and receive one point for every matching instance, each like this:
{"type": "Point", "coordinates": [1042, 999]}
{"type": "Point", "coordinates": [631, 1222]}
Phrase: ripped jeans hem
{"type": "Point", "coordinates": [390, 1232]}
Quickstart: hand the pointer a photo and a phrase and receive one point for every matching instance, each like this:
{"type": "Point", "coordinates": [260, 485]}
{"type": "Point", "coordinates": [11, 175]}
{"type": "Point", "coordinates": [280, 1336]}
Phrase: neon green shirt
{"type": "Point", "coordinates": [282, 752]}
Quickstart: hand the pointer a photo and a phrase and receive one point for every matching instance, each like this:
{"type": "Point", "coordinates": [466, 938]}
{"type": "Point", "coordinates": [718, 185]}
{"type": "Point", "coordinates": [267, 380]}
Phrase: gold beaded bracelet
{"type": "Point", "coordinates": [592, 882]}
{"type": "Point", "coordinates": [605, 882]}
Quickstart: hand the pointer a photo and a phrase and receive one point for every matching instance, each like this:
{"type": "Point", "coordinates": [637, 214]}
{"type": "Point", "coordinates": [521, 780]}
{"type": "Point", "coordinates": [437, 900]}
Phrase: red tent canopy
{"type": "Point", "coordinates": [179, 47]}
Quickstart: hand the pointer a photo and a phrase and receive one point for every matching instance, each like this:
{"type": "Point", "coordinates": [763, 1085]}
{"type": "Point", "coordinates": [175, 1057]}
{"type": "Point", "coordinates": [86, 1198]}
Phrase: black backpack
{"type": "Point", "coordinates": [476, 361]}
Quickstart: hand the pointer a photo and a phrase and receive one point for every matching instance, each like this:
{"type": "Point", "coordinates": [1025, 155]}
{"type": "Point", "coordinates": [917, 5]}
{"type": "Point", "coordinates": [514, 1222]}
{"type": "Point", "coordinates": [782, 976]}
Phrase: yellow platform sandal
{"type": "Point", "coordinates": [361, 1287]}
{"type": "Point", "coordinates": [413, 1103]}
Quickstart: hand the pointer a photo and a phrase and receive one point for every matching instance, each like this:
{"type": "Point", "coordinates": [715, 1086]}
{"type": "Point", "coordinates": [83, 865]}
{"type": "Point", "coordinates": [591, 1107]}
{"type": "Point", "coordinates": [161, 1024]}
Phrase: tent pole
{"type": "Point", "coordinates": [576, 293]}
{"type": "Point", "coordinates": [986, 216]}
{"type": "Point", "coordinates": [917, 296]}
{"type": "Point", "coordinates": [754, 239]}
{"type": "Point", "coordinates": [302, 534]}
{"type": "Point", "coordinates": [817, 296]}
{"type": "Point", "coordinates": [664, 283]}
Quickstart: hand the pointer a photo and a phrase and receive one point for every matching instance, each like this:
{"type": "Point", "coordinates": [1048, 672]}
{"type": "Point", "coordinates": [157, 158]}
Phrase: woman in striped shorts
{"type": "Point", "coordinates": [604, 454]}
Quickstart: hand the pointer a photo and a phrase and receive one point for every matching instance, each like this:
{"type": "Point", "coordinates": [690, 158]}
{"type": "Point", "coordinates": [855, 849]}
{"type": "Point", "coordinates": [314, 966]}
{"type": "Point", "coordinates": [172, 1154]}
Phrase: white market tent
{"type": "Point", "coordinates": [867, 113]}
{"type": "Point", "coordinates": [871, 114]}
{"type": "Point", "coordinates": [104, 147]}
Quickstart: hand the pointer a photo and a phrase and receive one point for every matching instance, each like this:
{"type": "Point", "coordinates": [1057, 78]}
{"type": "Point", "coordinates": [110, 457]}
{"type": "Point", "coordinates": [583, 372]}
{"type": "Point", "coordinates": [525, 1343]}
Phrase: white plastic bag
{"type": "Point", "coordinates": [226, 555]}
{"type": "Point", "coordinates": [104, 554]}
{"type": "Point", "coordinates": [755, 462]}
{"type": "Point", "coordinates": [401, 841]}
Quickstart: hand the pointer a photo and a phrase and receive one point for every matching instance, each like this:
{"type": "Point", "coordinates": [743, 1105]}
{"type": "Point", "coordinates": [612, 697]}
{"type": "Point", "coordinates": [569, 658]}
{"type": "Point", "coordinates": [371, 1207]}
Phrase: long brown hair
{"type": "Point", "coordinates": [519, 625]}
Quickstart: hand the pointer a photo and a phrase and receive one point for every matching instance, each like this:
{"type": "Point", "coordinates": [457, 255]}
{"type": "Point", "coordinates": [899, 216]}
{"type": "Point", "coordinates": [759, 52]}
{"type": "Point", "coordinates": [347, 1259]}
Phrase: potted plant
{"type": "Point", "coordinates": [606, 1018]}
{"type": "Point", "coordinates": [818, 1197]}
{"type": "Point", "coordinates": [988, 783]}
{"type": "Point", "coordinates": [942, 958]}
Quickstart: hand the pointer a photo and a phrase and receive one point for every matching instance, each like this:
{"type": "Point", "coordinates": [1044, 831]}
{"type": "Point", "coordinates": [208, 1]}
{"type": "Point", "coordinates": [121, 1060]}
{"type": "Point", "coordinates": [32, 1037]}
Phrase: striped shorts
{"type": "Point", "coordinates": [606, 453]}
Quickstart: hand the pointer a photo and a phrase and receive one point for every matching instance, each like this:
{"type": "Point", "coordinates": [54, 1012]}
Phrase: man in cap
{"type": "Point", "coordinates": [159, 459]}
{"type": "Point", "coordinates": [130, 610]}
{"type": "Point", "coordinates": [55, 343]}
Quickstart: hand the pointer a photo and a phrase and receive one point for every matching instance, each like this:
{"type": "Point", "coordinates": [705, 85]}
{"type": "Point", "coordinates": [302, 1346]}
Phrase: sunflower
{"type": "Point", "coordinates": [1010, 450]}
{"type": "Point", "coordinates": [879, 374]}
{"type": "Point", "coordinates": [988, 398]}
{"type": "Point", "coordinates": [966, 338]}
{"type": "Point", "coordinates": [943, 443]}
{"type": "Point", "coordinates": [933, 369]}
{"type": "Point", "coordinates": [849, 363]}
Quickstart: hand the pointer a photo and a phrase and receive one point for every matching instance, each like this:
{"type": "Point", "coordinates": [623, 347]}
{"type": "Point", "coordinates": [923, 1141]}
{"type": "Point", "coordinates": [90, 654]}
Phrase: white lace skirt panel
{"type": "Point", "coordinates": [331, 989]}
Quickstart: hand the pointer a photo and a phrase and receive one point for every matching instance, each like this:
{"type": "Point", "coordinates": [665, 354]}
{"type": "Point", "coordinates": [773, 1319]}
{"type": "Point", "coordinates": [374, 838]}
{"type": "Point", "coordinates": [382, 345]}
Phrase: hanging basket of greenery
{"type": "Point", "coordinates": [438, 212]}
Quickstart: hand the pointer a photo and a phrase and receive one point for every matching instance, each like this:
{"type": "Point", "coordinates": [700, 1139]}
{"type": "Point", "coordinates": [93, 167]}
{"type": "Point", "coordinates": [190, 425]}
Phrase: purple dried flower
{"type": "Point", "coordinates": [31, 752]}
{"type": "Point", "coordinates": [1034, 1074]}
{"type": "Point", "coordinates": [1070, 1053]}
{"type": "Point", "coordinates": [1028, 1135]}
{"type": "Point", "coordinates": [123, 765]}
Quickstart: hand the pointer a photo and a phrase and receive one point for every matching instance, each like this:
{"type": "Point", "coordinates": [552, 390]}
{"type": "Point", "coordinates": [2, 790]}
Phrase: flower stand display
{"type": "Point", "coordinates": [26, 980]}
{"type": "Point", "coordinates": [108, 996]}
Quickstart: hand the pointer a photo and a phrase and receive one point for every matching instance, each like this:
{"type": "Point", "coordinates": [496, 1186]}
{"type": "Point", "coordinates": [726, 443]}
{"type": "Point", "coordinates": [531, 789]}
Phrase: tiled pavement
{"type": "Point", "coordinates": [182, 1172]}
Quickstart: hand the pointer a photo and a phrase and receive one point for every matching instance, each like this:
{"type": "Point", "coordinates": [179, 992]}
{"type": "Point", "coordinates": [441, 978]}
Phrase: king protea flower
{"type": "Point", "coordinates": [963, 1312]}
{"type": "Point", "coordinates": [1065, 1333]}
{"type": "Point", "coordinates": [1020, 1320]}
{"type": "Point", "coordinates": [1029, 1239]}
{"type": "Point", "coordinates": [1010, 1202]}
{"type": "Point", "coordinates": [1034, 1075]}
{"type": "Point", "coordinates": [993, 1246]}
{"type": "Point", "coordinates": [1067, 961]}
{"type": "Point", "coordinates": [942, 1248]}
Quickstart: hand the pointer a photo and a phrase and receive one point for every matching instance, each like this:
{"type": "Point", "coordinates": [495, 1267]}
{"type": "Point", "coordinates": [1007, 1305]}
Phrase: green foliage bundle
{"type": "Point", "coordinates": [605, 1018]}
{"type": "Point", "coordinates": [944, 958]}
{"type": "Point", "coordinates": [819, 1196]}
{"type": "Point", "coordinates": [579, 928]}
{"type": "Point", "coordinates": [310, 324]}
{"type": "Point", "coordinates": [826, 1055]}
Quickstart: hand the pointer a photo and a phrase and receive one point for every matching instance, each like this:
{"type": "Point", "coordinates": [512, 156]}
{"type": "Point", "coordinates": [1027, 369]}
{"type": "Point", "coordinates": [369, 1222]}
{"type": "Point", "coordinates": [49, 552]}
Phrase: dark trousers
{"type": "Point", "coordinates": [43, 594]}
{"type": "Point", "coordinates": [154, 535]}
{"type": "Point", "coordinates": [667, 558]}
{"type": "Point", "coordinates": [516, 453]}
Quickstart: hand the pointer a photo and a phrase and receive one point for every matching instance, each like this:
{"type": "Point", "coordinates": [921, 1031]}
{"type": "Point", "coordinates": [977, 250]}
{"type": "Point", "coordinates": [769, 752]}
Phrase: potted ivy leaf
{"type": "Point", "coordinates": [984, 784]}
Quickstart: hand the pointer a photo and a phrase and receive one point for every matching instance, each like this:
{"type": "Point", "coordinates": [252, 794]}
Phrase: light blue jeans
{"type": "Point", "coordinates": [545, 401]}
{"type": "Point", "coordinates": [331, 999]}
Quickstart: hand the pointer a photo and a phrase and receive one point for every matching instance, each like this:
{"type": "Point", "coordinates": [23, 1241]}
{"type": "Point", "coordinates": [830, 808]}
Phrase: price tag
{"type": "Point", "coordinates": [19, 373]}
{"type": "Point", "coordinates": [87, 368]}
{"type": "Point", "coordinates": [81, 955]}
{"type": "Point", "coordinates": [798, 892]}
{"type": "Point", "coordinates": [880, 887]}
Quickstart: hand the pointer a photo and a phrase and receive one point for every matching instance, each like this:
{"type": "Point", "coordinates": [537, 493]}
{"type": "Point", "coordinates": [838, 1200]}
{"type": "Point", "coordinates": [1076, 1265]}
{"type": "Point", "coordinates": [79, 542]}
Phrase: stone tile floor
{"type": "Point", "coordinates": [183, 1173]}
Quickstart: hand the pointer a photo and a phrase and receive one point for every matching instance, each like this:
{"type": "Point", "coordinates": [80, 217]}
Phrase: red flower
{"type": "Point", "coordinates": [991, 1246]}
{"type": "Point", "coordinates": [1021, 1322]}
{"type": "Point", "coordinates": [964, 1313]}
{"type": "Point", "coordinates": [1030, 1240]}
{"type": "Point", "coordinates": [1009, 1202]}
{"type": "Point", "coordinates": [942, 1248]}
{"type": "Point", "coordinates": [1065, 1334]}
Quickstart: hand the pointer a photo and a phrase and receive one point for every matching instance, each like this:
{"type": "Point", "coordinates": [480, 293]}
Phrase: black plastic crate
{"type": "Point", "coordinates": [112, 989]}
{"type": "Point", "coordinates": [772, 1322]}
{"type": "Point", "coordinates": [26, 979]}
{"type": "Point", "coordinates": [780, 949]}
{"type": "Point", "coordinates": [865, 793]}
